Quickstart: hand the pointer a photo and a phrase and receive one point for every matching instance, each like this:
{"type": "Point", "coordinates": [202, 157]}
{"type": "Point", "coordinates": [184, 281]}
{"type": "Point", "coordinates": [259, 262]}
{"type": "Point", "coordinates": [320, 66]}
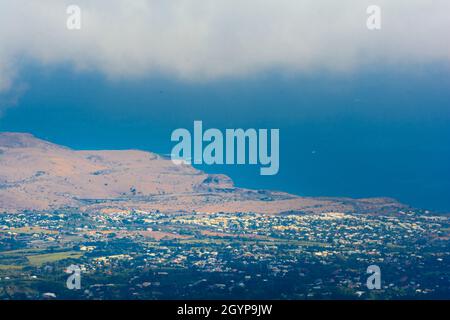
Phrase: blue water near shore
{"type": "Point", "coordinates": [375, 133]}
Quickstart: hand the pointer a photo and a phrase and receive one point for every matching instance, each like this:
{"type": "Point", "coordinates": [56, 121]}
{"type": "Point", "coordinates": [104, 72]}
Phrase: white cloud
{"type": "Point", "coordinates": [210, 39]}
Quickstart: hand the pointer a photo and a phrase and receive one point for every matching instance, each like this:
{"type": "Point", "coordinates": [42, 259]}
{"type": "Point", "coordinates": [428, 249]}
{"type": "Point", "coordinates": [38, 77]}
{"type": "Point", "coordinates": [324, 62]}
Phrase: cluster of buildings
{"type": "Point", "coordinates": [135, 254]}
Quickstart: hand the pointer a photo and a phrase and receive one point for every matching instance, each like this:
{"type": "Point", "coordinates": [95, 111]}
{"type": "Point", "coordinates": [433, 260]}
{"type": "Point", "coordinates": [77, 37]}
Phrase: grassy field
{"type": "Point", "coordinates": [10, 267]}
{"type": "Point", "coordinates": [17, 259]}
{"type": "Point", "coordinates": [32, 230]}
{"type": "Point", "coordinates": [21, 252]}
{"type": "Point", "coordinates": [39, 259]}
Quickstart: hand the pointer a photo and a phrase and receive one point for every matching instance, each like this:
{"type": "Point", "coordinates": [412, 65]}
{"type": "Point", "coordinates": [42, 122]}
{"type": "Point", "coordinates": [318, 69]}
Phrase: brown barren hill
{"type": "Point", "coordinates": [39, 175]}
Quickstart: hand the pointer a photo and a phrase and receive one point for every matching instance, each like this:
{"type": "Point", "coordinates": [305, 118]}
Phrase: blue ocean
{"type": "Point", "coordinates": [385, 133]}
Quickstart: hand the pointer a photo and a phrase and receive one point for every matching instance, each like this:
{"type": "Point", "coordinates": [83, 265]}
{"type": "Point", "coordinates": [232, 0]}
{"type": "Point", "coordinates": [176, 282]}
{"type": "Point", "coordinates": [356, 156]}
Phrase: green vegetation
{"type": "Point", "coordinates": [10, 267]}
{"type": "Point", "coordinates": [31, 230]}
{"type": "Point", "coordinates": [39, 259]}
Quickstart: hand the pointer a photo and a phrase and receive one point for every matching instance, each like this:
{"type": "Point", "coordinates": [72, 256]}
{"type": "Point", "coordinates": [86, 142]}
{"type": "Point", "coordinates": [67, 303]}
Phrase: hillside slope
{"type": "Point", "coordinates": [39, 175]}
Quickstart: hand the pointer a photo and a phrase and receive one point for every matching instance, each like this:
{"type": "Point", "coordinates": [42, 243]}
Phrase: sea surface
{"type": "Point", "coordinates": [374, 133]}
